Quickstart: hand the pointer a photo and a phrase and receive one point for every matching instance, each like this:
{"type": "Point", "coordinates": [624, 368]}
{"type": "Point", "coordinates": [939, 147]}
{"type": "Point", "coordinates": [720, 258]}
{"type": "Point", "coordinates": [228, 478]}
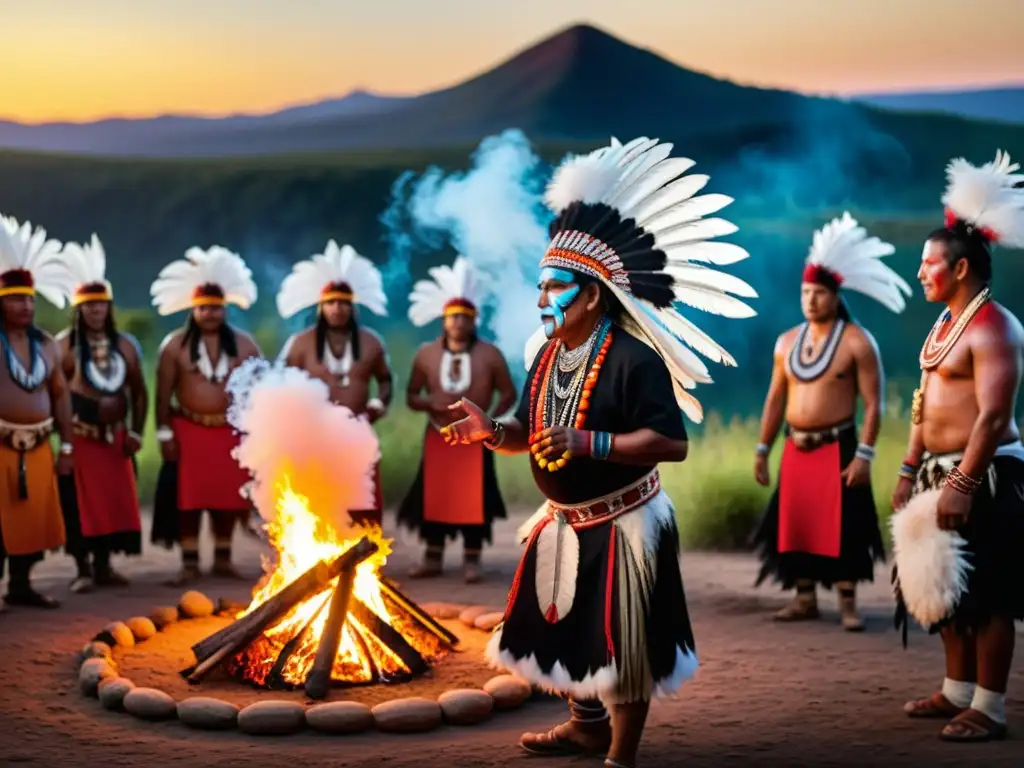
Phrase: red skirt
{"type": "Point", "coordinates": [107, 496]}
{"type": "Point", "coordinates": [811, 500]}
{"type": "Point", "coordinates": [453, 482]}
{"type": "Point", "coordinates": [208, 475]}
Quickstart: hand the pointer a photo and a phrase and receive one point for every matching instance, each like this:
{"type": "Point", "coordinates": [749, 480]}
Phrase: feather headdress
{"type": "Point", "coordinates": [842, 254]}
{"type": "Point", "coordinates": [986, 202]}
{"type": "Point", "coordinates": [216, 276]}
{"type": "Point", "coordinates": [336, 274]}
{"type": "Point", "coordinates": [88, 266]}
{"type": "Point", "coordinates": [31, 263]}
{"type": "Point", "coordinates": [450, 291]}
{"type": "Point", "coordinates": [627, 216]}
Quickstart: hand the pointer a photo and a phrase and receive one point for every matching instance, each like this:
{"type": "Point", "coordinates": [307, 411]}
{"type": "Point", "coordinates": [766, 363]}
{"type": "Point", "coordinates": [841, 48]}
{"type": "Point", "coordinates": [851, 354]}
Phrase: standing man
{"type": "Point", "coordinates": [455, 490]}
{"type": "Point", "coordinates": [337, 349]}
{"type": "Point", "coordinates": [100, 500]}
{"type": "Point", "coordinates": [196, 441]}
{"type": "Point", "coordinates": [965, 447]}
{"type": "Point", "coordinates": [597, 610]}
{"type": "Point", "coordinates": [821, 525]}
{"type": "Point", "coordinates": [33, 397]}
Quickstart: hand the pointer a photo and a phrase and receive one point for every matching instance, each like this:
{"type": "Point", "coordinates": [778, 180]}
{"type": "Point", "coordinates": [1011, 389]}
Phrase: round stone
{"type": "Point", "coordinates": [207, 714]}
{"type": "Point", "coordinates": [141, 628]}
{"type": "Point", "coordinates": [465, 706]}
{"type": "Point", "coordinates": [469, 615]}
{"type": "Point", "coordinates": [488, 621]}
{"type": "Point", "coordinates": [150, 704]}
{"type": "Point", "coordinates": [508, 691]}
{"type": "Point", "coordinates": [113, 690]}
{"type": "Point", "coordinates": [92, 672]}
{"type": "Point", "coordinates": [163, 615]}
{"type": "Point", "coordinates": [443, 610]}
{"type": "Point", "coordinates": [196, 605]}
{"type": "Point", "coordinates": [340, 717]}
{"type": "Point", "coordinates": [412, 715]}
{"type": "Point", "coordinates": [121, 634]}
{"type": "Point", "coordinates": [96, 650]}
{"type": "Point", "coordinates": [267, 718]}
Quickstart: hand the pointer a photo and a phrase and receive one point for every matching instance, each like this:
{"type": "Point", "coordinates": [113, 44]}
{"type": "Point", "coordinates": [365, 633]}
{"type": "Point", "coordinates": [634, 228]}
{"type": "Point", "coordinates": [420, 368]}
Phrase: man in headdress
{"type": "Point", "coordinates": [963, 474]}
{"type": "Point", "coordinates": [821, 526]}
{"type": "Point", "coordinates": [33, 398]}
{"type": "Point", "coordinates": [454, 491]}
{"type": "Point", "coordinates": [196, 440]}
{"type": "Point", "coordinates": [338, 349]}
{"type": "Point", "coordinates": [100, 499]}
{"type": "Point", "coordinates": [597, 610]}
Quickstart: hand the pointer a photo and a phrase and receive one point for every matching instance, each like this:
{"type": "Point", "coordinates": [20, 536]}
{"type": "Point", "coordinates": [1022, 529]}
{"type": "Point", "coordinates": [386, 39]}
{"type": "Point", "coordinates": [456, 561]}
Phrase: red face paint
{"type": "Point", "coordinates": [936, 277]}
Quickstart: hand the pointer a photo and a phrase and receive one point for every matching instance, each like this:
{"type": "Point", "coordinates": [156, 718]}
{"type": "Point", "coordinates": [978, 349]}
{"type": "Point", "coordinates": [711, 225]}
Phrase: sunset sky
{"type": "Point", "coordinates": [86, 59]}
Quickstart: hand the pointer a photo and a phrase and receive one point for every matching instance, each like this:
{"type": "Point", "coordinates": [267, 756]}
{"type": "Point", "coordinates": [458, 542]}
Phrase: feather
{"type": "Point", "coordinates": [686, 331]}
{"type": "Point", "coordinates": [558, 557]}
{"type": "Point", "coordinates": [691, 231]}
{"type": "Point", "coordinates": [688, 210]}
{"type": "Point", "coordinates": [301, 289]}
{"type": "Point", "coordinates": [638, 188]}
{"type": "Point", "coordinates": [173, 289]}
{"type": "Point", "coordinates": [87, 262]}
{"type": "Point", "coordinates": [986, 197]}
{"type": "Point", "coordinates": [534, 345]}
{"type": "Point", "coordinates": [428, 297]}
{"type": "Point", "coordinates": [720, 254]}
{"type": "Point", "coordinates": [668, 197]}
{"type": "Point", "coordinates": [697, 276]}
{"type": "Point", "coordinates": [26, 248]}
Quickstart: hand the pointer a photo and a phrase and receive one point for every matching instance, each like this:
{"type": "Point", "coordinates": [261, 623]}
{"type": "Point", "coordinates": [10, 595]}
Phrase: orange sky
{"type": "Point", "coordinates": [85, 59]}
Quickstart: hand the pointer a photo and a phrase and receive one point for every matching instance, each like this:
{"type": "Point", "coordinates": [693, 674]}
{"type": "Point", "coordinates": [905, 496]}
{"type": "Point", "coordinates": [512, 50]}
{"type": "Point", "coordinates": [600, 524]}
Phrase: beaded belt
{"type": "Point", "coordinates": [204, 419]}
{"type": "Point", "coordinates": [598, 511]}
{"type": "Point", "coordinates": [24, 438]}
{"type": "Point", "coordinates": [809, 439]}
{"type": "Point", "coordinates": [99, 433]}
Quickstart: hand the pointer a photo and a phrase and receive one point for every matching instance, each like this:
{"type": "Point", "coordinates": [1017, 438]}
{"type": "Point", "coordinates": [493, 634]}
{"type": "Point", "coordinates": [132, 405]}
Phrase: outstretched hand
{"type": "Point", "coordinates": [472, 424]}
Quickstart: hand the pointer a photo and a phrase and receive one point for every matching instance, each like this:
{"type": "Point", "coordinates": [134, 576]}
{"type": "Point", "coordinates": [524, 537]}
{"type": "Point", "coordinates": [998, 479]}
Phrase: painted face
{"type": "Point", "coordinates": [94, 313]}
{"type": "Point", "coordinates": [18, 310]}
{"type": "Point", "coordinates": [558, 290]}
{"type": "Point", "coordinates": [209, 317]}
{"type": "Point", "coordinates": [336, 313]}
{"type": "Point", "coordinates": [938, 282]}
{"type": "Point", "coordinates": [817, 302]}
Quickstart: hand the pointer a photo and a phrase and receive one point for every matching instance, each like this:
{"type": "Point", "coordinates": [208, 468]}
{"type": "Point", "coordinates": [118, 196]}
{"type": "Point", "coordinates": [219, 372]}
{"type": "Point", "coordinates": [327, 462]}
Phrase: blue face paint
{"type": "Point", "coordinates": [553, 315]}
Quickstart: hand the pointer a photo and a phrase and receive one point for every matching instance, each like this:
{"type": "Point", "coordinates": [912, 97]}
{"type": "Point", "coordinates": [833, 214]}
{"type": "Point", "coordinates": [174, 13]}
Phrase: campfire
{"type": "Point", "coordinates": [323, 616]}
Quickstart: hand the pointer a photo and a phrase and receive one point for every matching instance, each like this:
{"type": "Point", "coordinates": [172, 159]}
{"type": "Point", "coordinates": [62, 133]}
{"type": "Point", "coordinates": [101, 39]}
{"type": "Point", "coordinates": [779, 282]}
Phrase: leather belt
{"type": "Point", "coordinates": [101, 434]}
{"type": "Point", "coordinates": [809, 439]}
{"type": "Point", "coordinates": [204, 419]}
{"type": "Point", "coordinates": [25, 437]}
{"type": "Point", "coordinates": [609, 507]}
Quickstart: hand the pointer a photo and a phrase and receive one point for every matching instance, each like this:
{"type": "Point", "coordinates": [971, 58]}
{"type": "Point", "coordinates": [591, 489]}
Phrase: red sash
{"type": "Point", "coordinates": [108, 500]}
{"type": "Point", "coordinates": [208, 475]}
{"type": "Point", "coordinates": [453, 482]}
{"type": "Point", "coordinates": [810, 500]}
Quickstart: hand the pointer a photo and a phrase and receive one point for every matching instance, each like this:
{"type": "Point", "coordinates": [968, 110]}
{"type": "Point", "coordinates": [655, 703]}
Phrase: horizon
{"type": "Point", "coordinates": [268, 61]}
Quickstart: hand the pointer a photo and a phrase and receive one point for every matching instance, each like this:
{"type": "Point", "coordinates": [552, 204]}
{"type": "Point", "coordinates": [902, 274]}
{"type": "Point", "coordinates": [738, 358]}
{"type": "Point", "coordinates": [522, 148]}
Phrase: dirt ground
{"type": "Point", "coordinates": [766, 694]}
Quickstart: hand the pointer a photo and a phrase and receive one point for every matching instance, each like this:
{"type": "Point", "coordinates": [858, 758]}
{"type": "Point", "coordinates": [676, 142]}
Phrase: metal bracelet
{"type": "Point", "coordinates": [66, 449]}
{"type": "Point", "coordinates": [600, 445]}
{"type": "Point", "coordinates": [494, 441]}
{"type": "Point", "coordinates": [865, 452]}
{"type": "Point", "coordinates": [763, 449]}
{"type": "Point", "coordinates": [165, 434]}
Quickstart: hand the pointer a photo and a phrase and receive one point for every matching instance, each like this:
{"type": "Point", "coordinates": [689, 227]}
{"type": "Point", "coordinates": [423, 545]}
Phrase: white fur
{"type": "Point", "coordinates": [931, 564]}
{"type": "Point", "coordinates": [593, 686]}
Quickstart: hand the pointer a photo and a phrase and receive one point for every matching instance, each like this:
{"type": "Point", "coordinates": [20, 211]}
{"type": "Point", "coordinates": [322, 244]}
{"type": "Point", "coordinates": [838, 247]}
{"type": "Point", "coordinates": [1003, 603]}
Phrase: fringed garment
{"type": "Point", "coordinates": [815, 528]}
{"type": "Point", "coordinates": [994, 541]}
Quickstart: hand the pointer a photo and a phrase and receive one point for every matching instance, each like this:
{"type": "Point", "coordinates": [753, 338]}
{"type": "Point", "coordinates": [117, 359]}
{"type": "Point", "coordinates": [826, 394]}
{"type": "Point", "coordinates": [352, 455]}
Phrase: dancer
{"type": "Point", "coordinates": [965, 461]}
{"type": "Point", "coordinates": [196, 441]}
{"type": "Point", "coordinates": [597, 610]}
{"type": "Point", "coordinates": [454, 491]}
{"type": "Point", "coordinates": [337, 349]}
{"type": "Point", "coordinates": [100, 499]}
{"type": "Point", "coordinates": [33, 398]}
{"type": "Point", "coordinates": [820, 525]}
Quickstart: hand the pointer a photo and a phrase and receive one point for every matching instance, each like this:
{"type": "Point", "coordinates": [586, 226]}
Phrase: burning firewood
{"type": "Point", "coordinates": [318, 681]}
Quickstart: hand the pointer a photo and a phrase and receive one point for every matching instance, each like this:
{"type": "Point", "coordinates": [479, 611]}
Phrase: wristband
{"type": "Point", "coordinates": [495, 440]}
{"type": "Point", "coordinates": [66, 449]}
{"type": "Point", "coordinates": [376, 404]}
{"type": "Point", "coordinates": [865, 452]}
{"type": "Point", "coordinates": [908, 472]}
{"type": "Point", "coordinates": [763, 449]}
{"type": "Point", "coordinates": [961, 483]}
{"type": "Point", "coordinates": [600, 445]}
{"type": "Point", "coordinates": [165, 434]}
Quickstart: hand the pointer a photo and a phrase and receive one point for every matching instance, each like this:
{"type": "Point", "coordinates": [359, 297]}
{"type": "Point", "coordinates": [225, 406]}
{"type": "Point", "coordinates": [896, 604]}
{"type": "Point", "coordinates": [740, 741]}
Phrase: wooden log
{"type": "Point", "coordinates": [275, 680]}
{"type": "Point", "coordinates": [222, 645]}
{"type": "Point", "coordinates": [318, 680]}
{"type": "Point", "coordinates": [425, 620]}
{"type": "Point", "coordinates": [389, 636]}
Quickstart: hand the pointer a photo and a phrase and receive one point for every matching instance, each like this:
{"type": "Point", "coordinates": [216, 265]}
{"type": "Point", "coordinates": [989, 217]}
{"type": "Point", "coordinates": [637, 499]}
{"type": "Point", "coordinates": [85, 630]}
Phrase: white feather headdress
{"type": "Point", "coordinates": [984, 200]}
{"type": "Point", "coordinates": [337, 273]}
{"type": "Point", "coordinates": [627, 216]}
{"type": "Point", "coordinates": [846, 255]}
{"type": "Point", "coordinates": [215, 276]}
{"type": "Point", "coordinates": [31, 263]}
{"type": "Point", "coordinates": [450, 290]}
{"type": "Point", "coordinates": [87, 264]}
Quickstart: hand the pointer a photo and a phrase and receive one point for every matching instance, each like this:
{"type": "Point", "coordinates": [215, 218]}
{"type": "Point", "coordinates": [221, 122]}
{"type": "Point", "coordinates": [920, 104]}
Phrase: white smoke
{"type": "Point", "coordinates": [292, 432]}
{"type": "Point", "coordinates": [493, 215]}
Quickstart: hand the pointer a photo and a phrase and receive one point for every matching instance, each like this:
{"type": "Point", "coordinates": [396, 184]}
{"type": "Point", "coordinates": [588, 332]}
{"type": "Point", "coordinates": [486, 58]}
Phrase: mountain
{"type": "Point", "coordinates": [1002, 104]}
{"type": "Point", "coordinates": [579, 85]}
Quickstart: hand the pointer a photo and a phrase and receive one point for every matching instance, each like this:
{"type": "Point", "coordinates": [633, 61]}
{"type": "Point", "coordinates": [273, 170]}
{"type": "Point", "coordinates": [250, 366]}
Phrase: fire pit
{"type": "Point", "coordinates": [323, 616]}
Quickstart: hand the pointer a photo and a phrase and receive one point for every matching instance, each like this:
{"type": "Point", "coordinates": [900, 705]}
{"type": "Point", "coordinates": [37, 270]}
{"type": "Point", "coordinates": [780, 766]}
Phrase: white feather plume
{"type": "Point", "coordinates": [642, 182]}
{"type": "Point", "coordinates": [986, 198]}
{"type": "Point", "coordinates": [22, 247]}
{"type": "Point", "coordinates": [87, 262]}
{"type": "Point", "coordinates": [428, 297]}
{"type": "Point", "coordinates": [301, 288]}
{"type": "Point", "coordinates": [843, 247]}
{"type": "Point", "coordinates": [557, 567]}
{"type": "Point", "coordinates": [173, 289]}
{"type": "Point", "coordinates": [930, 563]}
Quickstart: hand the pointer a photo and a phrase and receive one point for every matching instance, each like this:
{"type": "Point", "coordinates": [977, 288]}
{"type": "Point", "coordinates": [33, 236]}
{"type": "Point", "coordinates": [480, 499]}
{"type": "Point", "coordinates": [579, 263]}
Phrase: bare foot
{"type": "Point", "coordinates": [568, 739]}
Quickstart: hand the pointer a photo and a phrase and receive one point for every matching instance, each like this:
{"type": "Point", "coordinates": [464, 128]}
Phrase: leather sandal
{"type": "Point", "coordinates": [973, 726]}
{"type": "Point", "coordinates": [934, 707]}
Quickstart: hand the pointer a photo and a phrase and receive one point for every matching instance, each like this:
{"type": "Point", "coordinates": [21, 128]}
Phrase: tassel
{"type": "Point", "coordinates": [22, 477]}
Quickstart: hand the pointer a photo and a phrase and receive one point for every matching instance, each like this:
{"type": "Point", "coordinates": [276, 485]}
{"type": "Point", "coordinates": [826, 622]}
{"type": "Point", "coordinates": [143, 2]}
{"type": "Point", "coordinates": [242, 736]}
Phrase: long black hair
{"type": "Point", "coordinates": [78, 332]}
{"type": "Point", "coordinates": [194, 334]}
{"type": "Point", "coordinates": [321, 333]}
